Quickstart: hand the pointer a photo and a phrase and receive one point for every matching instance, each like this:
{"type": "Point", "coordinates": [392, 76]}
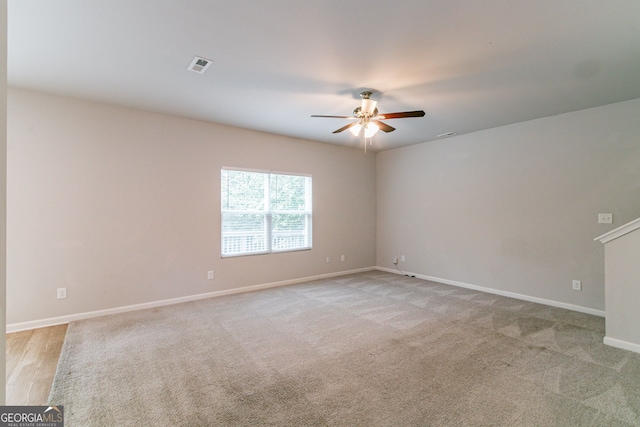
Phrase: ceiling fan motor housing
{"type": "Point", "coordinates": [360, 114]}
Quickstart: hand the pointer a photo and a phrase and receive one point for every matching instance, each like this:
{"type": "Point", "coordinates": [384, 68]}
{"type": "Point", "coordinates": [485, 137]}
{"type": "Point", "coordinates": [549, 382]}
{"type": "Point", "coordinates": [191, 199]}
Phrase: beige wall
{"type": "Point", "coordinates": [514, 209]}
{"type": "Point", "coordinates": [122, 206]}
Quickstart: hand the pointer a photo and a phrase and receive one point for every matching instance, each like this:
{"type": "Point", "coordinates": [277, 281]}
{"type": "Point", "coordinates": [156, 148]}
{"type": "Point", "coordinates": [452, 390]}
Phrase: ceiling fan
{"type": "Point", "coordinates": [367, 117]}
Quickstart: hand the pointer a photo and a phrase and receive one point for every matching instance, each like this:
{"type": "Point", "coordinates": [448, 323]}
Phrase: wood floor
{"type": "Point", "coordinates": [32, 358]}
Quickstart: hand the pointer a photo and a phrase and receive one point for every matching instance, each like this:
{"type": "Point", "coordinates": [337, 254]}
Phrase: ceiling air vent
{"type": "Point", "coordinates": [445, 135]}
{"type": "Point", "coordinates": [199, 65]}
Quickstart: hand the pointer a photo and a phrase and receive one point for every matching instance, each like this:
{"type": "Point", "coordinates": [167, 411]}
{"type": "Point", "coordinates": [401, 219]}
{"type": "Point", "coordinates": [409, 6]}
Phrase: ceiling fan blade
{"type": "Point", "coordinates": [401, 115]}
{"type": "Point", "coordinates": [334, 117]}
{"type": "Point", "coordinates": [383, 126]}
{"type": "Point", "coordinates": [345, 127]}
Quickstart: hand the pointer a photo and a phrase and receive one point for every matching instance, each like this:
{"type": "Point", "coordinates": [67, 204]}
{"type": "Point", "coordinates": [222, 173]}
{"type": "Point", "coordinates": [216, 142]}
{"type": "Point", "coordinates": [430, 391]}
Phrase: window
{"type": "Point", "coordinates": [264, 212]}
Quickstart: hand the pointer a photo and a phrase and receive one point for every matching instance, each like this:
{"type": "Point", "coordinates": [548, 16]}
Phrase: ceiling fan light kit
{"type": "Point", "coordinates": [370, 129]}
{"type": "Point", "coordinates": [367, 118]}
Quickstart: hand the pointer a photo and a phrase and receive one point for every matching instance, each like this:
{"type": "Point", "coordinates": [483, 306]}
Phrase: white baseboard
{"type": "Point", "coordinates": [52, 321]}
{"type": "Point", "coordinates": [523, 297]}
{"type": "Point", "coordinates": [625, 345]}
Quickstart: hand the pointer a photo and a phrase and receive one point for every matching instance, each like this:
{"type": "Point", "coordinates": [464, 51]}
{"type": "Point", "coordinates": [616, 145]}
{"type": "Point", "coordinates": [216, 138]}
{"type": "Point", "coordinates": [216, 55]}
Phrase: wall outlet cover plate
{"type": "Point", "coordinates": [605, 218]}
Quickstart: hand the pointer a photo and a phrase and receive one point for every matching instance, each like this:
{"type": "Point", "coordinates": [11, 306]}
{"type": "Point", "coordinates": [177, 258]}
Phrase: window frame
{"type": "Point", "coordinates": [268, 213]}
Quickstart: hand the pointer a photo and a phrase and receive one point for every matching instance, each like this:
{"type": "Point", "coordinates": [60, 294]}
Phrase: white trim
{"type": "Point", "coordinates": [625, 345]}
{"type": "Point", "coordinates": [52, 321]}
{"type": "Point", "coordinates": [268, 172]}
{"type": "Point", "coordinates": [523, 297]}
{"type": "Point", "coordinates": [233, 168]}
{"type": "Point", "coordinates": [620, 231]}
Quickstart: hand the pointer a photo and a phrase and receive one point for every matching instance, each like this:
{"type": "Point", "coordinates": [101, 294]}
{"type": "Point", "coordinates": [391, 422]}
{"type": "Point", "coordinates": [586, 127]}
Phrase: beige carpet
{"type": "Point", "coordinates": [371, 349]}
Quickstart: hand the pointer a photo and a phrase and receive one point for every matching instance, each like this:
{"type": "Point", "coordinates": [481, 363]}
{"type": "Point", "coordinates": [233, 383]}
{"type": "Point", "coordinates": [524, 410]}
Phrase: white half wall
{"type": "Point", "coordinates": [514, 208]}
{"type": "Point", "coordinates": [622, 293]}
{"type": "Point", "coordinates": [122, 207]}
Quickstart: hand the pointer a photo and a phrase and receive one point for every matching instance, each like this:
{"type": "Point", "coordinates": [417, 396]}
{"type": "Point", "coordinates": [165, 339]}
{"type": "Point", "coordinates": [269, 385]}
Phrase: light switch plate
{"type": "Point", "coordinates": [605, 218]}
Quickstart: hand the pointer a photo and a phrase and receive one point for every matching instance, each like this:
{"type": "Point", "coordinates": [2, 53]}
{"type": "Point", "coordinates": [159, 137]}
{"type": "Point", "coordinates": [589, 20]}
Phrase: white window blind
{"type": "Point", "coordinates": [264, 212]}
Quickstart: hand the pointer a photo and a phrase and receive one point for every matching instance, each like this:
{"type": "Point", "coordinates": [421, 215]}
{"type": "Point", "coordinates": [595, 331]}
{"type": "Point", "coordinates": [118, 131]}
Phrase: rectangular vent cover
{"type": "Point", "coordinates": [199, 65]}
{"type": "Point", "coordinates": [444, 135]}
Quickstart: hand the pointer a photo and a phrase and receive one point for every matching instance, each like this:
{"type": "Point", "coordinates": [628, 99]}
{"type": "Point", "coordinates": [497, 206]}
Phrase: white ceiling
{"type": "Point", "coordinates": [469, 64]}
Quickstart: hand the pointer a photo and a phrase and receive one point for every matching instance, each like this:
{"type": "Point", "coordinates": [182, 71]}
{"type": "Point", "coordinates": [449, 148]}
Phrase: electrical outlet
{"type": "Point", "coordinates": [605, 218]}
{"type": "Point", "coordinates": [328, 259]}
{"type": "Point", "coordinates": [62, 293]}
{"type": "Point", "coordinates": [342, 258]}
{"type": "Point", "coordinates": [577, 285]}
{"type": "Point", "coordinates": [210, 275]}
{"type": "Point", "coordinates": [402, 258]}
